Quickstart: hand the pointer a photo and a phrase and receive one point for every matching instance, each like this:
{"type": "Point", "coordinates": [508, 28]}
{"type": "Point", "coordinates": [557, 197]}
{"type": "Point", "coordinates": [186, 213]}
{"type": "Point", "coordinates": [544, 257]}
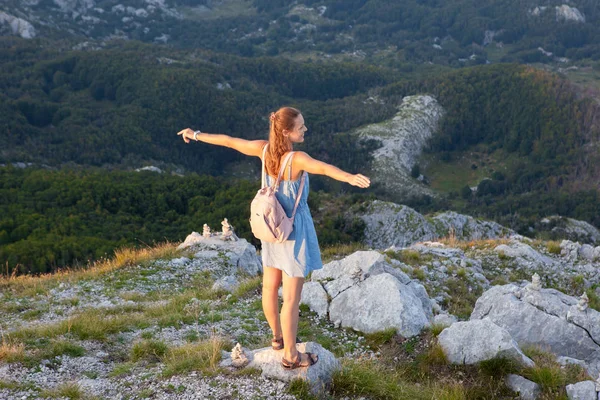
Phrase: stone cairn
{"type": "Point", "coordinates": [227, 233]}
{"type": "Point", "coordinates": [206, 231]}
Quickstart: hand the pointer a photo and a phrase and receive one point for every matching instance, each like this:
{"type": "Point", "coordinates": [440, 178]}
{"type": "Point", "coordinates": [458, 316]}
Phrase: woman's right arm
{"type": "Point", "coordinates": [247, 147]}
{"type": "Point", "coordinates": [306, 163]}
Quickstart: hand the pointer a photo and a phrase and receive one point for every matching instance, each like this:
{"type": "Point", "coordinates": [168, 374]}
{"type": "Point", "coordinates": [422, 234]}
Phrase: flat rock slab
{"type": "Point", "coordinates": [268, 361]}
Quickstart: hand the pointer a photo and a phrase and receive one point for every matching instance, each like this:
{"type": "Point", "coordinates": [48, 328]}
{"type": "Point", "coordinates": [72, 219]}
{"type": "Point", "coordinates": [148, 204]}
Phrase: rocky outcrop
{"type": "Point", "coordinates": [403, 138]}
{"type": "Point", "coordinates": [268, 361]}
{"type": "Point", "coordinates": [475, 341]}
{"type": "Point", "coordinates": [16, 26]}
{"type": "Point", "coordinates": [370, 295]}
{"type": "Point", "coordinates": [567, 13]}
{"type": "Point", "coordinates": [571, 229]}
{"type": "Point", "coordinates": [389, 224]}
{"type": "Point", "coordinates": [234, 256]}
{"type": "Point", "coordinates": [544, 317]}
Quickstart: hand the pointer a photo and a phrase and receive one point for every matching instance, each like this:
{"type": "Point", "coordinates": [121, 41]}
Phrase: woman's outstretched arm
{"type": "Point", "coordinates": [247, 147]}
{"type": "Point", "coordinates": [306, 163]}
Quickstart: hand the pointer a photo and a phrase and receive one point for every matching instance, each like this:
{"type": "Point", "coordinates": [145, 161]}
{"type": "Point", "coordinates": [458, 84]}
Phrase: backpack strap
{"type": "Point", "coordinates": [288, 159]}
{"type": "Point", "coordinates": [263, 171]}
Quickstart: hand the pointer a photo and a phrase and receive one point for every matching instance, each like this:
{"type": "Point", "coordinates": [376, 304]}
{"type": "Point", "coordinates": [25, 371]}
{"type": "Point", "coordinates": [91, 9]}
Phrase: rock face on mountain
{"type": "Point", "coordinates": [568, 228]}
{"type": "Point", "coordinates": [12, 25]}
{"type": "Point", "coordinates": [546, 317]}
{"type": "Point", "coordinates": [403, 138]}
{"type": "Point", "coordinates": [390, 224]}
{"type": "Point", "coordinates": [567, 13]}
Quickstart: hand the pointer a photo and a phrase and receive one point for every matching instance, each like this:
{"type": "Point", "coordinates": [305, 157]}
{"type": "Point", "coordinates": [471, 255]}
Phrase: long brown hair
{"type": "Point", "coordinates": [282, 119]}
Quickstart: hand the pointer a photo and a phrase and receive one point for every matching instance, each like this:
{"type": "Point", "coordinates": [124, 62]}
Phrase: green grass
{"type": "Point", "coordinates": [553, 247]}
{"type": "Point", "coordinates": [70, 390]}
{"type": "Point", "coordinates": [121, 369]}
{"type": "Point", "coordinates": [462, 300]}
{"type": "Point", "coordinates": [336, 252]}
{"type": "Point", "coordinates": [202, 356]}
{"type": "Point", "coordinates": [149, 350]}
{"type": "Point", "coordinates": [377, 339]}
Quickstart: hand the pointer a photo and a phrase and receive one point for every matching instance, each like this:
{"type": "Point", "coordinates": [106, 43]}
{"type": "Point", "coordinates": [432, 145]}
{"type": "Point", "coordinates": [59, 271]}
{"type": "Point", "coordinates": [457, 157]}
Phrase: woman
{"type": "Point", "coordinates": [300, 254]}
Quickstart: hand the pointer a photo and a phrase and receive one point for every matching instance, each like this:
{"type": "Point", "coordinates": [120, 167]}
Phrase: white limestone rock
{"type": "Point", "coordinates": [474, 341]}
{"type": "Point", "coordinates": [268, 361]}
{"type": "Point", "coordinates": [379, 303]}
{"type": "Point", "coordinates": [585, 390]}
{"type": "Point", "coordinates": [567, 13]}
{"type": "Point", "coordinates": [16, 26]}
{"type": "Point", "coordinates": [315, 297]}
{"type": "Point", "coordinates": [526, 389]}
{"type": "Point", "coordinates": [526, 255]}
{"type": "Point", "coordinates": [403, 138]}
{"type": "Point", "coordinates": [547, 318]}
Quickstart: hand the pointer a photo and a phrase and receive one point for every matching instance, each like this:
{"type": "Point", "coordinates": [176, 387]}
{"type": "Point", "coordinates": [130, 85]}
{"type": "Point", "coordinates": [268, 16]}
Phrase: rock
{"type": "Point", "coordinates": [238, 357]}
{"type": "Point", "coordinates": [526, 389]}
{"type": "Point", "coordinates": [403, 138]}
{"type": "Point", "coordinates": [585, 390]}
{"type": "Point", "coordinates": [269, 362]}
{"type": "Point", "coordinates": [445, 320]}
{"type": "Point", "coordinates": [587, 252]}
{"type": "Point", "coordinates": [547, 318]}
{"type": "Point", "coordinates": [315, 297]}
{"type": "Point", "coordinates": [227, 283]}
{"type": "Point", "coordinates": [572, 229]}
{"type": "Point", "coordinates": [235, 256]}
{"type": "Point", "coordinates": [379, 303]}
{"type": "Point", "coordinates": [16, 26]}
{"type": "Point", "coordinates": [526, 254]}
{"type": "Point", "coordinates": [474, 341]}
{"type": "Point", "coordinates": [566, 13]}
{"type": "Point", "coordinates": [466, 227]}
{"type": "Point", "coordinates": [390, 224]}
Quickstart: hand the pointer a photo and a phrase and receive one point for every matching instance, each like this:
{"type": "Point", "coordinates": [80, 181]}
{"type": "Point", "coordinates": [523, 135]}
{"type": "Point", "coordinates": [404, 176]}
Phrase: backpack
{"type": "Point", "coordinates": [268, 219]}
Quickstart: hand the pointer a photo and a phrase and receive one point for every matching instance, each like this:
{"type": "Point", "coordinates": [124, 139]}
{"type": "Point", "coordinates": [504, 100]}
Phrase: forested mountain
{"type": "Point", "coordinates": [79, 98]}
{"type": "Point", "coordinates": [454, 32]}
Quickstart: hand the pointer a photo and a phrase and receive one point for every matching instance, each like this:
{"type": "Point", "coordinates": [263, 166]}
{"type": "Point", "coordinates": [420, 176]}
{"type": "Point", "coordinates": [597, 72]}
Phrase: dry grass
{"type": "Point", "coordinates": [481, 244]}
{"type": "Point", "coordinates": [338, 251]}
{"type": "Point", "coordinates": [202, 356]}
{"type": "Point", "coordinates": [11, 350]}
{"type": "Point", "coordinates": [29, 285]}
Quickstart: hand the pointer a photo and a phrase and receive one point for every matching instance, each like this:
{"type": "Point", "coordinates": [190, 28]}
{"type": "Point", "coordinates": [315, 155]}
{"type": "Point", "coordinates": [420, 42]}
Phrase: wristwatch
{"type": "Point", "coordinates": [196, 134]}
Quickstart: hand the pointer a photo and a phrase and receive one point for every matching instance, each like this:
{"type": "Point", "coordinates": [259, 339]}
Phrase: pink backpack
{"type": "Point", "coordinates": [267, 217]}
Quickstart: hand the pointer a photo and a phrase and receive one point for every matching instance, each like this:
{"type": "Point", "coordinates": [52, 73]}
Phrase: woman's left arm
{"type": "Point", "coordinates": [306, 163]}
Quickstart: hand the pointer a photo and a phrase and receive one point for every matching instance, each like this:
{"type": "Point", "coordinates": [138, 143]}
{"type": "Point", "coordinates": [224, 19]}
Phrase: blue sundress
{"type": "Point", "coordinates": [300, 254]}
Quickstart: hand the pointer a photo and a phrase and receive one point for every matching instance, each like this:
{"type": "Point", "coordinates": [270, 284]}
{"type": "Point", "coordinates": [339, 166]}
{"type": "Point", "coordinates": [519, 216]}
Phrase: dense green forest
{"type": "Point", "coordinates": [86, 113]}
{"type": "Point", "coordinates": [123, 106]}
{"type": "Point", "coordinates": [52, 219]}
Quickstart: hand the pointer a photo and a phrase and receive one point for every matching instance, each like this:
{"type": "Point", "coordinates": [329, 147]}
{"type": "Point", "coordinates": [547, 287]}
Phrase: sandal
{"type": "Point", "coordinates": [312, 360]}
{"type": "Point", "coordinates": [277, 344]}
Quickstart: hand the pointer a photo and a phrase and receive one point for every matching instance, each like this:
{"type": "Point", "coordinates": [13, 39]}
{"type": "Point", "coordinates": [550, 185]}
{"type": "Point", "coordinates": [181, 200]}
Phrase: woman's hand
{"type": "Point", "coordinates": [186, 134]}
{"type": "Point", "coordinates": [359, 180]}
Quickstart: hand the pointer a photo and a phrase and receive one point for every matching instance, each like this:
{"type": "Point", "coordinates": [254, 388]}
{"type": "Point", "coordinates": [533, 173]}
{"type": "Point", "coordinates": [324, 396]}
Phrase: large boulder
{"type": "Point", "coordinates": [268, 361]}
{"type": "Point", "coordinates": [544, 317]}
{"type": "Point", "coordinates": [379, 303]}
{"type": "Point", "coordinates": [471, 342]}
{"type": "Point", "coordinates": [369, 295]}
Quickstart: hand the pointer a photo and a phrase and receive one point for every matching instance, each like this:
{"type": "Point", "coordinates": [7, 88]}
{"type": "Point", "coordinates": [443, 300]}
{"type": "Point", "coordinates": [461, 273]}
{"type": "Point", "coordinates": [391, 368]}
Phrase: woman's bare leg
{"type": "Point", "coordinates": [270, 297]}
{"type": "Point", "coordinates": [292, 291]}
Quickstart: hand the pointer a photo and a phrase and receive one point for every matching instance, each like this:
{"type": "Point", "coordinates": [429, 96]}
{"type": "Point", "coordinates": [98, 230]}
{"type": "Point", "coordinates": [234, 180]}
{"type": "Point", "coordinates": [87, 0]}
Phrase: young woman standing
{"type": "Point", "coordinates": [291, 261]}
